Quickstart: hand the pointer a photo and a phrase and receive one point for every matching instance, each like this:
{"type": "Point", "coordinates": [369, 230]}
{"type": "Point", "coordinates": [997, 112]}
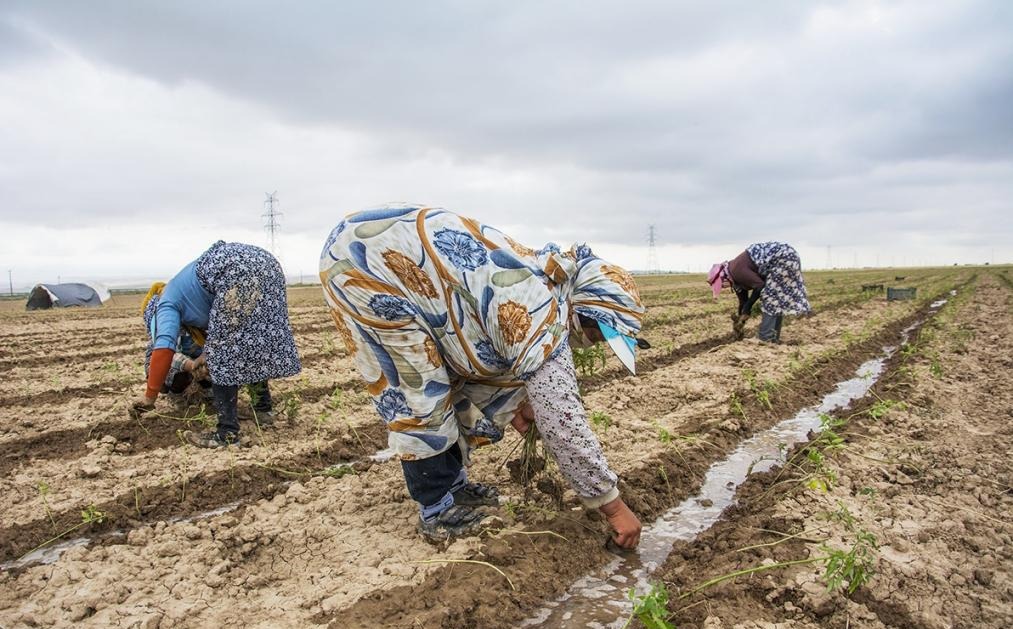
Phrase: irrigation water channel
{"type": "Point", "coordinates": [600, 601]}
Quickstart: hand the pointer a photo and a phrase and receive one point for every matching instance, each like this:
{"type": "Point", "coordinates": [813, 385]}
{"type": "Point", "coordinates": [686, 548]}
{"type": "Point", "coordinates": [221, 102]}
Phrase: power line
{"type": "Point", "coordinates": [271, 216]}
{"type": "Point", "coordinates": [652, 251]}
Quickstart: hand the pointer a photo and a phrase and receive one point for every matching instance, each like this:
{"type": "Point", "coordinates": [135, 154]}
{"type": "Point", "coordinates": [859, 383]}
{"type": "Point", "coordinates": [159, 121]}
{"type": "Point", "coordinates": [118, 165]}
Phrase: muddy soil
{"type": "Point", "coordinates": [931, 480]}
{"type": "Point", "coordinates": [309, 548]}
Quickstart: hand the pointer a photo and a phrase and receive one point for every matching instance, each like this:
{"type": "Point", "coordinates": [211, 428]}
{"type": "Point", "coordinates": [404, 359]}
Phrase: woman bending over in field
{"type": "Point", "coordinates": [772, 268]}
{"type": "Point", "coordinates": [459, 330]}
{"type": "Point", "coordinates": [233, 295]}
{"type": "Point", "coordinates": [188, 362]}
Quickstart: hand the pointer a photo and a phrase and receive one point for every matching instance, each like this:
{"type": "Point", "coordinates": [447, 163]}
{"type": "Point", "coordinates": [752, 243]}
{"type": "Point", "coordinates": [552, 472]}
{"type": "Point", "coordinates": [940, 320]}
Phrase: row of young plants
{"type": "Point", "coordinates": [812, 468]}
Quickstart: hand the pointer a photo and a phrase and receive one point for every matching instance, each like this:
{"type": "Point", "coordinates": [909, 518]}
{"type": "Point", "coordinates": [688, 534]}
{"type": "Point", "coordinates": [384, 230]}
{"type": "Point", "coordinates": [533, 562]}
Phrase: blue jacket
{"type": "Point", "coordinates": [183, 301]}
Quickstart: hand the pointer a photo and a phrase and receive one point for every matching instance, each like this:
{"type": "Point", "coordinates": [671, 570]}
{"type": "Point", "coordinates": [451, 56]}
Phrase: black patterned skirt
{"type": "Point", "coordinates": [249, 338]}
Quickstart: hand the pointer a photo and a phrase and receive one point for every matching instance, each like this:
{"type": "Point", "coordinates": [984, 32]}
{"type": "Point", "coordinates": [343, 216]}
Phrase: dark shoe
{"type": "Point", "coordinates": [264, 419]}
{"type": "Point", "coordinates": [476, 495]}
{"type": "Point", "coordinates": [457, 521]}
{"type": "Point", "coordinates": [213, 439]}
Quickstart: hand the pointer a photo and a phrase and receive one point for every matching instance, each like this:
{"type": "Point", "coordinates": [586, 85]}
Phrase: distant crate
{"type": "Point", "coordinates": [894, 294]}
{"type": "Point", "coordinates": [868, 288]}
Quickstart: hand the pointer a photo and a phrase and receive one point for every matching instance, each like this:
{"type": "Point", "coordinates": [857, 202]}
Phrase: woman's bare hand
{"type": "Point", "coordinates": [623, 521]}
{"type": "Point", "coordinates": [523, 418]}
{"type": "Point", "coordinates": [141, 406]}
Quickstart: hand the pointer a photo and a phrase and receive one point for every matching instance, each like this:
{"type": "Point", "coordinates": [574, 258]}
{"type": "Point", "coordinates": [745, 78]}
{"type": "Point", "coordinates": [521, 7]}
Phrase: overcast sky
{"type": "Point", "coordinates": [134, 134]}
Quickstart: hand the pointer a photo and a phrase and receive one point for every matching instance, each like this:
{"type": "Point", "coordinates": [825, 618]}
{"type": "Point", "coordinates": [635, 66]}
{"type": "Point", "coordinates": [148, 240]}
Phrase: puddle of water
{"type": "Point", "coordinates": [46, 555]}
{"type": "Point", "coordinates": [50, 554]}
{"type": "Point", "coordinates": [232, 506]}
{"type": "Point", "coordinates": [600, 601]}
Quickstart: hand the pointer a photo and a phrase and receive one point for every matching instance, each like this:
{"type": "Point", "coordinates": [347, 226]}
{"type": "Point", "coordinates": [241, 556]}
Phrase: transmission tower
{"type": "Point", "coordinates": [652, 251]}
{"type": "Point", "coordinates": [271, 223]}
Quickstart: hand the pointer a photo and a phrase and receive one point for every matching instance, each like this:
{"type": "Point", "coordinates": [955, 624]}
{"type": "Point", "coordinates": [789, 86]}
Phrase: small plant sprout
{"type": "Point", "coordinates": [736, 406]}
{"type": "Point", "coordinates": [43, 488]}
{"type": "Point", "coordinates": [318, 427]}
{"type": "Point", "coordinates": [290, 407]}
{"type": "Point", "coordinates": [664, 436]}
{"type": "Point", "coordinates": [843, 515]}
{"type": "Point", "coordinates": [337, 399]}
{"type": "Point", "coordinates": [600, 419]}
{"type": "Point", "coordinates": [760, 390]}
{"type": "Point", "coordinates": [882, 407]}
{"type": "Point", "coordinates": [511, 509]}
{"type": "Point", "coordinates": [854, 566]}
{"type": "Point", "coordinates": [664, 476]}
{"type": "Point", "coordinates": [936, 367]}
{"type": "Point", "coordinates": [89, 515]}
{"type": "Point", "coordinates": [337, 471]}
{"type": "Point", "coordinates": [590, 360]}
{"type": "Point", "coordinates": [651, 609]}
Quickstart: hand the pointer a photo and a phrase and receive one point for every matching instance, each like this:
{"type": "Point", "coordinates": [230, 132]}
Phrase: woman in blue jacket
{"type": "Point", "coordinates": [233, 296]}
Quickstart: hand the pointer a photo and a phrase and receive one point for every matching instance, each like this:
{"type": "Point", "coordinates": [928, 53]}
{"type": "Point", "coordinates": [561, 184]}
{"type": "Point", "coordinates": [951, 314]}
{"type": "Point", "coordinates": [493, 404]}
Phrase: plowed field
{"type": "Point", "coordinates": [306, 528]}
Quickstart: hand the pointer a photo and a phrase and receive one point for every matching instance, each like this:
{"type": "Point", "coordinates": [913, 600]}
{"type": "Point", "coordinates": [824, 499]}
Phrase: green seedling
{"type": "Point", "coordinates": [318, 427]}
{"type": "Point", "coordinates": [600, 419]}
{"type": "Point", "coordinates": [90, 515]}
{"type": "Point", "coordinates": [651, 609]}
{"type": "Point", "coordinates": [664, 436]}
{"type": "Point", "coordinates": [854, 566]}
{"type": "Point", "coordinates": [760, 390]}
{"type": "Point", "coordinates": [43, 488]}
{"type": "Point", "coordinates": [184, 470]}
{"type": "Point", "coordinates": [843, 515]}
{"type": "Point", "coordinates": [664, 476]}
{"type": "Point", "coordinates": [882, 407]}
{"type": "Point", "coordinates": [290, 407]}
{"type": "Point", "coordinates": [736, 406]}
{"type": "Point", "coordinates": [337, 399]}
{"type": "Point", "coordinates": [511, 508]}
{"type": "Point", "coordinates": [590, 360]}
{"type": "Point", "coordinates": [337, 471]}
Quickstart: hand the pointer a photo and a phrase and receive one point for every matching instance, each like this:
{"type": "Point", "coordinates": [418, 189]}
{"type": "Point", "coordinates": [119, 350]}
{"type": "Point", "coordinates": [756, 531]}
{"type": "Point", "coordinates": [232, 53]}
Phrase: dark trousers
{"type": "Point", "coordinates": [227, 398]}
{"type": "Point", "coordinates": [770, 328]}
{"type": "Point", "coordinates": [429, 480]}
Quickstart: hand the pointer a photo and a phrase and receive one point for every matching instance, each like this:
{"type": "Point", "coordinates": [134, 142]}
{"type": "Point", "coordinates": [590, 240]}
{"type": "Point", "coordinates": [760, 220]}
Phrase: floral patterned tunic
{"type": "Point", "coordinates": [448, 318]}
{"type": "Point", "coordinates": [784, 291]}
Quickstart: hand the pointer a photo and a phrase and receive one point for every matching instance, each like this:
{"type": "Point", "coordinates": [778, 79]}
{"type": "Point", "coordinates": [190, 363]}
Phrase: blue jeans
{"type": "Point", "coordinates": [770, 328]}
{"type": "Point", "coordinates": [430, 481]}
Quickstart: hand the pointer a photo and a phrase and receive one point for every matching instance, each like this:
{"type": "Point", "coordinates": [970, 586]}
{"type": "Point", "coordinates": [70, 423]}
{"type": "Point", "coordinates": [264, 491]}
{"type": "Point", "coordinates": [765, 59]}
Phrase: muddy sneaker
{"type": "Point", "coordinates": [476, 494]}
{"type": "Point", "coordinates": [457, 521]}
{"type": "Point", "coordinates": [264, 419]}
{"type": "Point", "coordinates": [213, 439]}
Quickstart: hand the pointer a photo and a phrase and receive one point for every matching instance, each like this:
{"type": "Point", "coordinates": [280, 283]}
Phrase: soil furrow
{"type": "Point", "coordinates": [935, 566]}
{"type": "Point", "coordinates": [196, 494]}
{"type": "Point", "coordinates": [446, 598]}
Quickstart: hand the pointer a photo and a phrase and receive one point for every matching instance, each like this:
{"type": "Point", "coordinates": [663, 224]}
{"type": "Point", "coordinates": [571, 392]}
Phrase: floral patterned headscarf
{"type": "Point", "coordinates": [605, 292]}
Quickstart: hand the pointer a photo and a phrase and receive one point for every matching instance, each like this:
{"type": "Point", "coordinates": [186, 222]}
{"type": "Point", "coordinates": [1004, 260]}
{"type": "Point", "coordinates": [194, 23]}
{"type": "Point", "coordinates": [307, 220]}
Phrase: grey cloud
{"type": "Point", "coordinates": [703, 118]}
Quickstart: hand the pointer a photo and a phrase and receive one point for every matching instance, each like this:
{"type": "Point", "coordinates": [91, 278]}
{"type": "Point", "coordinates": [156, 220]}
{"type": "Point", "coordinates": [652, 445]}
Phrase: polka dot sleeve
{"type": "Point", "coordinates": [563, 424]}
